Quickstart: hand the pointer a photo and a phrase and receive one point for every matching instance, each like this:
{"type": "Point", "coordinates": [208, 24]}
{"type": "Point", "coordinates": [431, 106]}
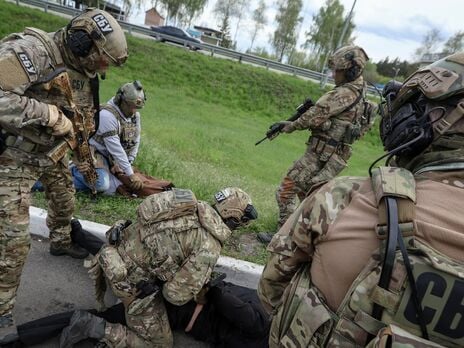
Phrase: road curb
{"type": "Point", "coordinates": [238, 271]}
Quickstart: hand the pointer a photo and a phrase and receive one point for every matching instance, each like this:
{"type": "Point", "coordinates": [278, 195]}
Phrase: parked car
{"type": "Point", "coordinates": [175, 32]}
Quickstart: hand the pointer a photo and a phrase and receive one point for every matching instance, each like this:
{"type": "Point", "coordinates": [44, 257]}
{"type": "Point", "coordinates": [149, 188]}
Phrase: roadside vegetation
{"type": "Point", "coordinates": [202, 118]}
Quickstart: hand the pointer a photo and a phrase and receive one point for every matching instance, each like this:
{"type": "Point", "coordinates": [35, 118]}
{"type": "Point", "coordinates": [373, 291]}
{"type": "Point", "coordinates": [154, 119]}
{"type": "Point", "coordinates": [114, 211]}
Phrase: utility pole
{"type": "Point", "coordinates": [325, 70]}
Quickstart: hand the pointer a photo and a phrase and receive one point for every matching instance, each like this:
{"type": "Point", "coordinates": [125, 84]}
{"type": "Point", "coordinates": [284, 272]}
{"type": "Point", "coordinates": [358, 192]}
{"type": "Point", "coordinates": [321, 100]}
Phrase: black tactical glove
{"type": "Point", "coordinates": [147, 287]}
{"type": "Point", "coordinates": [391, 89]}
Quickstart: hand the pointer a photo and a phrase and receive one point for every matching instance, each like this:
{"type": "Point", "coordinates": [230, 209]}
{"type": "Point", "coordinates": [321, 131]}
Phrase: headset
{"type": "Point", "coordinates": [118, 97]}
{"type": "Point", "coordinates": [354, 70]}
{"type": "Point", "coordinates": [79, 43]}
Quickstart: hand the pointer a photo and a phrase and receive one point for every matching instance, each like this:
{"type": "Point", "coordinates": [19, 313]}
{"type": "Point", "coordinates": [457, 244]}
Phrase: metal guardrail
{"type": "Point", "coordinates": [212, 49]}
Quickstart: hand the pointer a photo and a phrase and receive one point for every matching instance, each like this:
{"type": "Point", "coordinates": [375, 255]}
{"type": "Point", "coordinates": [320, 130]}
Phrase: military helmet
{"type": "Point", "coordinates": [427, 109]}
{"type": "Point", "coordinates": [351, 59]}
{"type": "Point", "coordinates": [95, 33]}
{"type": "Point", "coordinates": [131, 93]}
{"type": "Point", "coordinates": [235, 207]}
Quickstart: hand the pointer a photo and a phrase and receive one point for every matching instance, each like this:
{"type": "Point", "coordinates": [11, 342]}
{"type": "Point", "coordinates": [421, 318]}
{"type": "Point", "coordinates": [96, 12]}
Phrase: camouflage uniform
{"type": "Point", "coordinates": [28, 99]}
{"type": "Point", "coordinates": [175, 239]}
{"type": "Point", "coordinates": [318, 254]}
{"type": "Point", "coordinates": [322, 279]}
{"type": "Point", "coordinates": [333, 122]}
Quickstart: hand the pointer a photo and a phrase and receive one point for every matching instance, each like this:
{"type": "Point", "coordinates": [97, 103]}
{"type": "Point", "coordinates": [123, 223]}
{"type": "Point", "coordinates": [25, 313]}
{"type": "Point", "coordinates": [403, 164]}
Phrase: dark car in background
{"type": "Point", "coordinates": [175, 33]}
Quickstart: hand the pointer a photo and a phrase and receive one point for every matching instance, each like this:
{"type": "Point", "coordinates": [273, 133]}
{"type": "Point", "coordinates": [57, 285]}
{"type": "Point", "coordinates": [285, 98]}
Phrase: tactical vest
{"type": "Point", "coordinates": [154, 246]}
{"type": "Point", "coordinates": [34, 144]}
{"type": "Point", "coordinates": [127, 132]}
{"type": "Point", "coordinates": [307, 321]}
{"type": "Point", "coordinates": [344, 129]}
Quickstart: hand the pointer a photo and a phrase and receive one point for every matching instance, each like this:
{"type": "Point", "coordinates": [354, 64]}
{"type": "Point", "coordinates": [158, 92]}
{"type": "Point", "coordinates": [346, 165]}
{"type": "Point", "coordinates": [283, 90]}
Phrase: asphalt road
{"type": "Point", "coordinates": [52, 285]}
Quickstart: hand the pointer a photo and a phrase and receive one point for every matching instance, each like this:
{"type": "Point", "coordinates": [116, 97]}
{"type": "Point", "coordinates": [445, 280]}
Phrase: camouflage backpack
{"type": "Point", "coordinates": [307, 321]}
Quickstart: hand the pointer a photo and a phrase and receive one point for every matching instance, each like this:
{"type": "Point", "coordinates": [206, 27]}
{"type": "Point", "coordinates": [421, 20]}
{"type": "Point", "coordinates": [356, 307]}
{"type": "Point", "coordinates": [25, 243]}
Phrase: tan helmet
{"type": "Point", "coordinates": [93, 34]}
{"type": "Point", "coordinates": [235, 207]}
{"type": "Point", "coordinates": [351, 58]}
{"type": "Point", "coordinates": [131, 93]}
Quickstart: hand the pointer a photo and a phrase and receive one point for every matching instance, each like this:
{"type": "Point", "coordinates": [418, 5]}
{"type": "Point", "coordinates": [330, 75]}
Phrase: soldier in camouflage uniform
{"type": "Point", "coordinates": [174, 243]}
{"type": "Point", "coordinates": [35, 133]}
{"type": "Point", "coordinates": [380, 260]}
{"type": "Point", "coordinates": [337, 119]}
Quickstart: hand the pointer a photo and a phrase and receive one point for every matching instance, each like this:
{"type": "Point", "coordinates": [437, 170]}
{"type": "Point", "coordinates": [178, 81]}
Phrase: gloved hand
{"type": "Point", "coordinates": [288, 127]}
{"type": "Point", "coordinates": [58, 122]}
{"type": "Point", "coordinates": [147, 287]}
{"type": "Point", "coordinates": [391, 88]}
{"type": "Point", "coordinates": [136, 183]}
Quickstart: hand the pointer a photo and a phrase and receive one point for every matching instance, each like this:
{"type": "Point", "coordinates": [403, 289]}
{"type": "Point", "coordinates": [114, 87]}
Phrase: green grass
{"type": "Point", "coordinates": [202, 118]}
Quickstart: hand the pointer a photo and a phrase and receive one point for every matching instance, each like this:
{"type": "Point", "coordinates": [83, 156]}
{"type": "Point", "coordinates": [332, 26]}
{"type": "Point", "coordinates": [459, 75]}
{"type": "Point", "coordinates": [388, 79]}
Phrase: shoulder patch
{"type": "Point", "coordinates": [12, 73]}
{"type": "Point", "coordinates": [26, 63]}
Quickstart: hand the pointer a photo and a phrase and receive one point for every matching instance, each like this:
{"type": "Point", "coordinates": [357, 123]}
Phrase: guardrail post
{"type": "Point", "coordinates": [17, 2]}
{"type": "Point", "coordinates": [46, 6]}
{"type": "Point", "coordinates": [212, 52]}
{"type": "Point", "coordinates": [130, 30]}
{"type": "Point", "coordinates": [240, 59]}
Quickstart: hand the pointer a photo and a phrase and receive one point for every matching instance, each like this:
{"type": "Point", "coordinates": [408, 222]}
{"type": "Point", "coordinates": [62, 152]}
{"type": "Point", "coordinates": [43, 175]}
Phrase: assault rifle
{"type": "Point", "coordinates": [83, 125]}
{"type": "Point", "coordinates": [276, 128]}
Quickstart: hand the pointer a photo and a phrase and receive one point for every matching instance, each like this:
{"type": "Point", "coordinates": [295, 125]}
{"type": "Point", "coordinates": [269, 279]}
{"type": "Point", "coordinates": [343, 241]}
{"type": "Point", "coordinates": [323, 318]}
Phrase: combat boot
{"type": "Point", "coordinates": [264, 237]}
{"type": "Point", "coordinates": [73, 250]}
{"type": "Point", "coordinates": [81, 326]}
{"type": "Point", "coordinates": [8, 331]}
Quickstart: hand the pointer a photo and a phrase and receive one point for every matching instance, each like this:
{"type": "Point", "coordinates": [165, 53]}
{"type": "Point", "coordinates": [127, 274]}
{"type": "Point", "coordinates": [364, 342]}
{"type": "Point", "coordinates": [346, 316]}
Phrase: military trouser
{"type": "Point", "coordinates": [147, 326]}
{"type": "Point", "coordinates": [60, 195]}
{"type": "Point", "coordinates": [16, 180]}
{"type": "Point", "coordinates": [302, 175]}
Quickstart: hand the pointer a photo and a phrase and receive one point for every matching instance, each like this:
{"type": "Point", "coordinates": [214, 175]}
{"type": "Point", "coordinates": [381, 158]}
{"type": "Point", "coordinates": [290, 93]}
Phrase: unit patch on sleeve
{"type": "Point", "coordinates": [26, 63]}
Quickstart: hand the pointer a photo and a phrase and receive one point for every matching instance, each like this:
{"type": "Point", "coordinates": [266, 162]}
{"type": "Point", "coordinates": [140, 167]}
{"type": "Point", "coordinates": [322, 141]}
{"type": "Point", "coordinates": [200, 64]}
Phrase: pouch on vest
{"type": "Point", "coordinates": [303, 319]}
{"type": "Point", "coordinates": [393, 336]}
{"type": "Point", "coordinates": [167, 206]}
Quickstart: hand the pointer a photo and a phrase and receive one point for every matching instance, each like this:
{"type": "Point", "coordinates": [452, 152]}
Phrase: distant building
{"type": "Point", "coordinates": [115, 10]}
{"type": "Point", "coordinates": [153, 18]}
{"type": "Point", "coordinates": [208, 35]}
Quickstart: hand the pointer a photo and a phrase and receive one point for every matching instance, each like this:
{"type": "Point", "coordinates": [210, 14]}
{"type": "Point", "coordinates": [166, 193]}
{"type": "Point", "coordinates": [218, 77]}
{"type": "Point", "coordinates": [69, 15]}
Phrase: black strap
{"type": "Point", "coordinates": [389, 259]}
{"type": "Point", "coordinates": [95, 88]}
{"type": "Point", "coordinates": [395, 238]}
{"type": "Point", "coordinates": [412, 284]}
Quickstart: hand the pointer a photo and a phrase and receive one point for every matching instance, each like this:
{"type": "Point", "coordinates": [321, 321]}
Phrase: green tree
{"type": "Point", "coordinates": [189, 10]}
{"type": "Point", "coordinates": [325, 31]}
{"type": "Point", "coordinates": [287, 18]}
{"type": "Point", "coordinates": [430, 43]}
{"type": "Point", "coordinates": [259, 18]}
{"type": "Point", "coordinates": [455, 43]}
{"type": "Point", "coordinates": [224, 11]}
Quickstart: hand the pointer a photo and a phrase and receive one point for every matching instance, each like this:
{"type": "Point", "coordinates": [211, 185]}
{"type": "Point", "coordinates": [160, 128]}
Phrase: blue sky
{"type": "Point", "coordinates": [393, 28]}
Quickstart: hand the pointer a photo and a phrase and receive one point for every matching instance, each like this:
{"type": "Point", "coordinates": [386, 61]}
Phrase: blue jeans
{"type": "Point", "coordinates": [102, 184]}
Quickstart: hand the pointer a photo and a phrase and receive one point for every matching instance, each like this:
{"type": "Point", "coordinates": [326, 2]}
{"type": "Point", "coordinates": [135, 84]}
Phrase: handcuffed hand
{"type": "Point", "coordinates": [200, 298]}
{"type": "Point", "coordinates": [136, 183]}
{"type": "Point", "coordinates": [115, 169]}
{"type": "Point", "coordinates": [58, 122]}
